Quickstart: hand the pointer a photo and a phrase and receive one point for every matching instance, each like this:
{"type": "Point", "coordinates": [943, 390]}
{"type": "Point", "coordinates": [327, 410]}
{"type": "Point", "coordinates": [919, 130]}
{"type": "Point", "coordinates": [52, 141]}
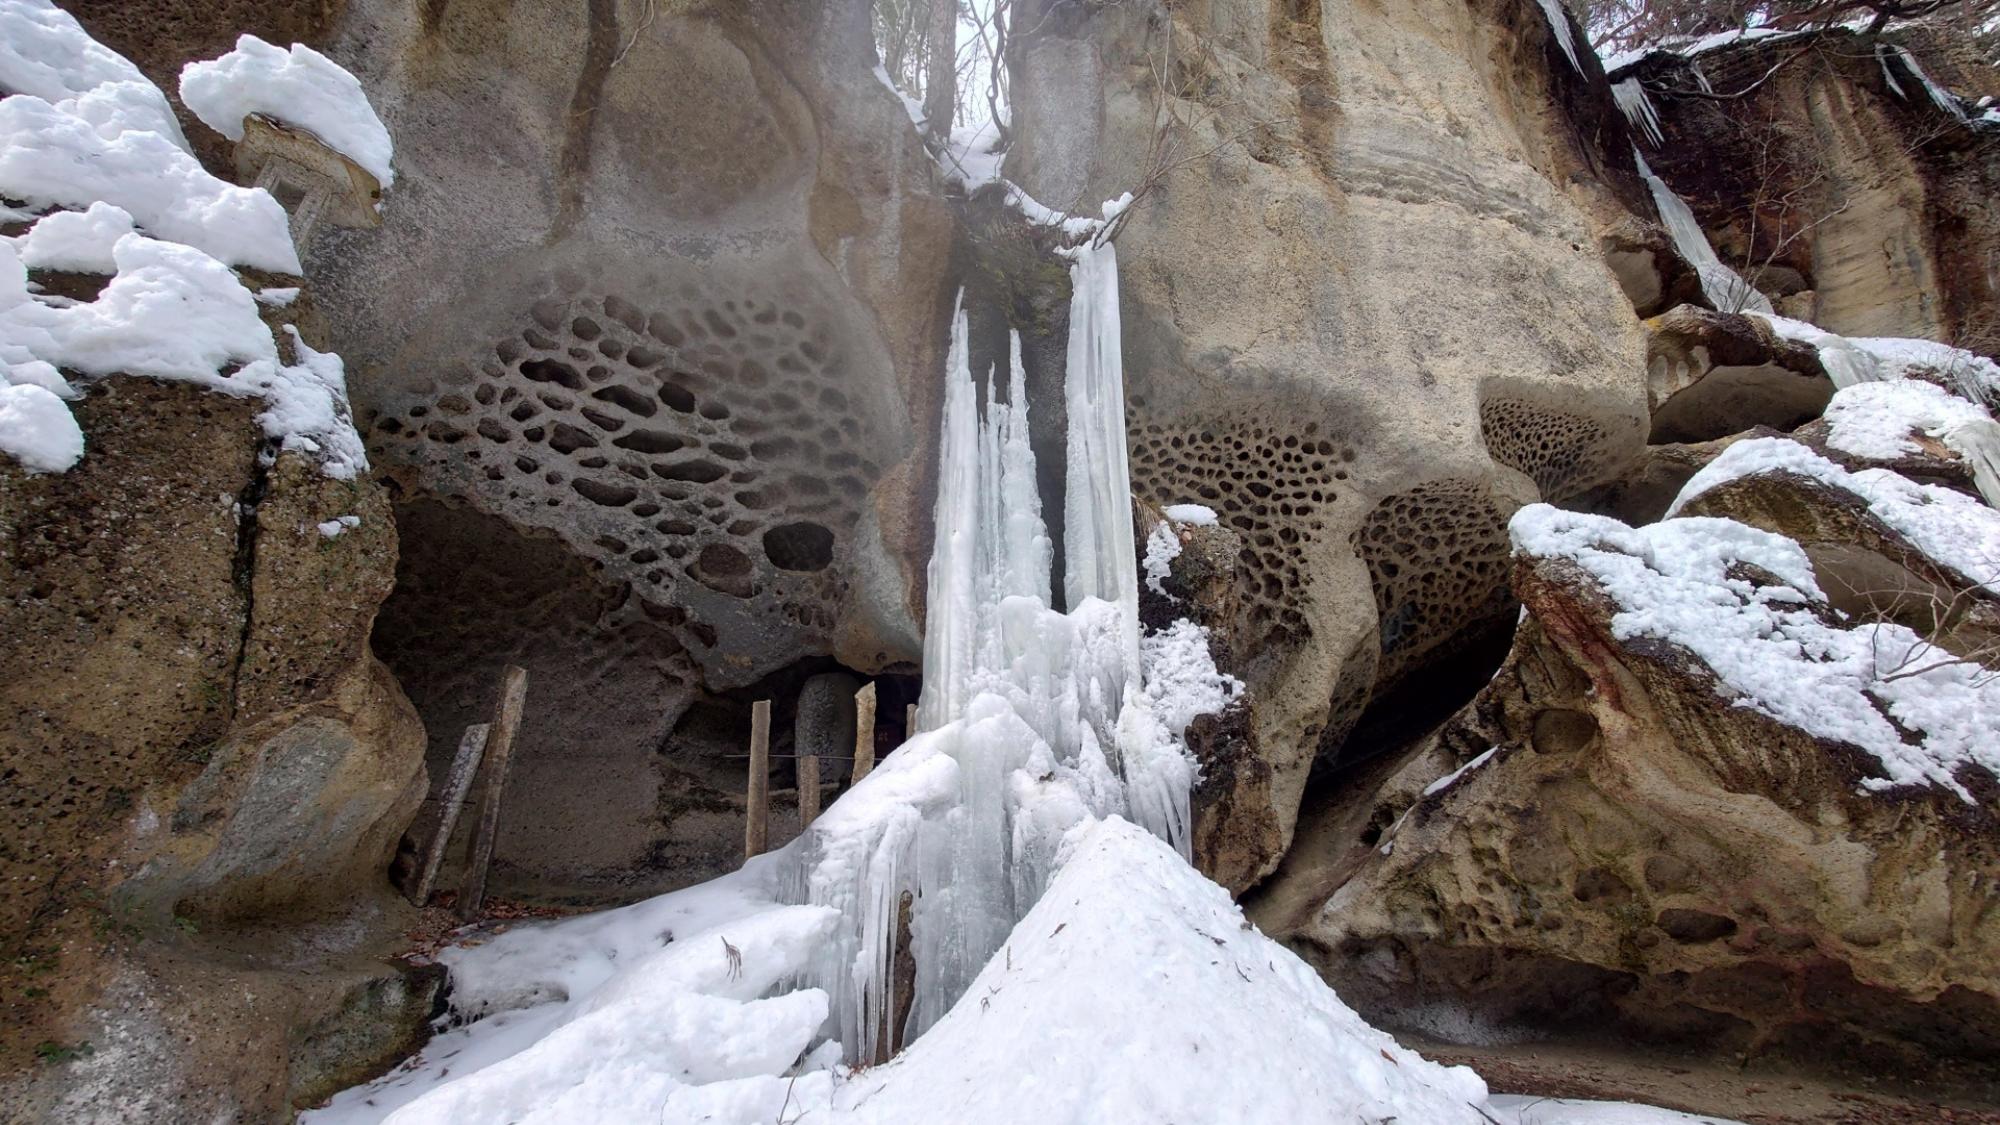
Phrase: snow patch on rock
{"type": "Point", "coordinates": [300, 88]}
{"type": "Point", "coordinates": [1772, 648]}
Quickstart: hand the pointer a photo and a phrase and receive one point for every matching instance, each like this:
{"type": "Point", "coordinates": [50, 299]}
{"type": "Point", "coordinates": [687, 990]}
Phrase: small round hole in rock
{"type": "Point", "coordinates": [799, 547]}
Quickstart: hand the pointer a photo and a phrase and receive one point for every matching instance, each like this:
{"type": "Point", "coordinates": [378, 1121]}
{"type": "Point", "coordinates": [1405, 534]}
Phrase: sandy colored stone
{"type": "Point", "coordinates": [1640, 857]}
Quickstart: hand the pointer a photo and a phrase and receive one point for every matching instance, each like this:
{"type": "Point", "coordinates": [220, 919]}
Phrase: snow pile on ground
{"type": "Point", "coordinates": [1134, 992]}
{"type": "Point", "coordinates": [1951, 528]}
{"type": "Point", "coordinates": [301, 88]}
{"type": "Point", "coordinates": [1772, 648]}
{"type": "Point", "coordinates": [164, 229]}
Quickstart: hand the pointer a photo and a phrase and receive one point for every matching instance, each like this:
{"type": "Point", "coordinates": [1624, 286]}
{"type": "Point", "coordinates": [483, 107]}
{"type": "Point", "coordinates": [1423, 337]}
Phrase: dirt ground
{"type": "Point", "coordinates": [1760, 1094]}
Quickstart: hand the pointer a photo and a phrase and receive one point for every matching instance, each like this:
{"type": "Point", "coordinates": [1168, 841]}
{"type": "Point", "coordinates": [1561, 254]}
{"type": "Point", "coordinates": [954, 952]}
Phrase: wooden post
{"type": "Point", "coordinates": [808, 770]}
{"type": "Point", "coordinates": [864, 730]}
{"type": "Point", "coordinates": [909, 721]}
{"type": "Point", "coordinates": [757, 829]}
{"type": "Point", "coordinates": [457, 784]}
{"type": "Point", "coordinates": [499, 755]}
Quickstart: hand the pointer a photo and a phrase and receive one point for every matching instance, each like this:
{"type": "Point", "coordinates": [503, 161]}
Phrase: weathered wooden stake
{"type": "Point", "coordinates": [757, 829]}
{"type": "Point", "coordinates": [909, 721]}
{"type": "Point", "coordinates": [457, 784]}
{"type": "Point", "coordinates": [808, 768]}
{"type": "Point", "coordinates": [864, 730]}
{"type": "Point", "coordinates": [499, 756]}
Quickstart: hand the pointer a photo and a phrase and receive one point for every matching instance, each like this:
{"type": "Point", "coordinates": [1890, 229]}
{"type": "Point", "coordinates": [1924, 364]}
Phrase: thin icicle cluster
{"type": "Point", "coordinates": [1638, 108]}
{"type": "Point", "coordinates": [1035, 719]}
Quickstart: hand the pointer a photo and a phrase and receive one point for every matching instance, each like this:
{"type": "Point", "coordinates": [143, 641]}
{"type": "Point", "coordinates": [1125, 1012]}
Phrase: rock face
{"type": "Point", "coordinates": [654, 319]}
{"type": "Point", "coordinates": [1367, 313]}
{"type": "Point", "coordinates": [1713, 374]}
{"type": "Point", "coordinates": [196, 740]}
{"type": "Point", "coordinates": [1616, 835]}
{"type": "Point", "coordinates": [1860, 205]}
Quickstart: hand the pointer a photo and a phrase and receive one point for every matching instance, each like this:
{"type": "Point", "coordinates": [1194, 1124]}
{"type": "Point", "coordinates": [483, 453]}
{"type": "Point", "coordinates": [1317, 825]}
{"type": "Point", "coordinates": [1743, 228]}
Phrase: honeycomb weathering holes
{"type": "Point", "coordinates": [1437, 558]}
{"type": "Point", "coordinates": [718, 437]}
{"type": "Point", "coordinates": [1565, 454]}
{"type": "Point", "coordinates": [1270, 485]}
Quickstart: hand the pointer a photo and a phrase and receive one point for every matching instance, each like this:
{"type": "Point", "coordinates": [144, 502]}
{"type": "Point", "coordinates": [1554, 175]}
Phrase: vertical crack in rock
{"type": "Point", "coordinates": [573, 162]}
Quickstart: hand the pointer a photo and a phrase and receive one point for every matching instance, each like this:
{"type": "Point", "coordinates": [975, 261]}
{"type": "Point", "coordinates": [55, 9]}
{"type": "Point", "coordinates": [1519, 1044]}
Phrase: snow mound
{"type": "Point", "coordinates": [1772, 648]}
{"type": "Point", "coordinates": [1135, 991]}
{"type": "Point", "coordinates": [301, 88]}
{"type": "Point", "coordinates": [37, 429]}
{"type": "Point", "coordinates": [77, 241]}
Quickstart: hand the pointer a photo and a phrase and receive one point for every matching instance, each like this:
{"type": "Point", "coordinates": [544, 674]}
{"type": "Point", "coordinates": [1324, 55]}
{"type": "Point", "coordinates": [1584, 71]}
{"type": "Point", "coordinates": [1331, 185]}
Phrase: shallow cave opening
{"type": "Point", "coordinates": [1395, 722]}
{"type": "Point", "coordinates": [704, 760]}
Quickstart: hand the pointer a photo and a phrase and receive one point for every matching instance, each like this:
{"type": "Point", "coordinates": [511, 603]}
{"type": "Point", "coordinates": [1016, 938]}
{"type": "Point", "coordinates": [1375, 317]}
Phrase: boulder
{"type": "Point", "coordinates": [1697, 804]}
{"type": "Point", "coordinates": [1712, 374]}
{"type": "Point", "coordinates": [196, 741]}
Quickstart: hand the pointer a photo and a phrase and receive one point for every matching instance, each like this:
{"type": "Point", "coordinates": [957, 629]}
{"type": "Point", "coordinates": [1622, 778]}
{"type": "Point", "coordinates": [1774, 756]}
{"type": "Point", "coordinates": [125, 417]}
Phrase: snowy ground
{"type": "Point", "coordinates": [1134, 991]}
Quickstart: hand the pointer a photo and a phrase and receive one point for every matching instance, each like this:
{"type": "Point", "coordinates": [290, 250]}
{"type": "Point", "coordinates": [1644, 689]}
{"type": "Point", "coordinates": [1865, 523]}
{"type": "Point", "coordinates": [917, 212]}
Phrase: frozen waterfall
{"type": "Point", "coordinates": [1034, 719]}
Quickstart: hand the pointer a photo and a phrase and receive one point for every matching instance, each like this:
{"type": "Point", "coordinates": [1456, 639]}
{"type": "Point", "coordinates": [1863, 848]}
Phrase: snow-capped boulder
{"type": "Point", "coordinates": [1697, 802]}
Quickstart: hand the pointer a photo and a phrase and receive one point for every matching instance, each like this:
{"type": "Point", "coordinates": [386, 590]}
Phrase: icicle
{"type": "Point", "coordinates": [1943, 98]}
{"type": "Point", "coordinates": [1638, 109]}
{"type": "Point", "coordinates": [1888, 73]}
{"type": "Point", "coordinates": [1725, 288]}
{"type": "Point", "coordinates": [1979, 444]}
{"type": "Point", "coordinates": [1559, 23]}
{"type": "Point", "coordinates": [1098, 555]}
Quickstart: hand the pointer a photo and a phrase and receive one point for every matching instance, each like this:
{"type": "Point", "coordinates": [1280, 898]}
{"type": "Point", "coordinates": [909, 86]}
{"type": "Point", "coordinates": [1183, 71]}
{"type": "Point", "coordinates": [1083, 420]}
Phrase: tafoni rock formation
{"type": "Point", "coordinates": [1018, 560]}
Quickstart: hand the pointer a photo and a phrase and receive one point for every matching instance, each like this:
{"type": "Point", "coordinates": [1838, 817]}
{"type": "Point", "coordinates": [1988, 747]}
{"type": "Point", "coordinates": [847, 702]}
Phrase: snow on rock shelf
{"type": "Point", "coordinates": [1950, 527]}
{"type": "Point", "coordinates": [46, 53]}
{"type": "Point", "coordinates": [75, 153]}
{"type": "Point", "coordinates": [165, 230]}
{"type": "Point", "coordinates": [1771, 641]}
{"type": "Point", "coordinates": [301, 88]}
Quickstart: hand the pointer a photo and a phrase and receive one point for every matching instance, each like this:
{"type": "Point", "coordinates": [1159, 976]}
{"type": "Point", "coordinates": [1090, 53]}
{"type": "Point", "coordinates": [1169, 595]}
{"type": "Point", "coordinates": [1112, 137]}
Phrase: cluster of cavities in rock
{"type": "Point", "coordinates": [1437, 560]}
{"type": "Point", "coordinates": [1562, 452]}
{"type": "Point", "coordinates": [713, 440]}
{"type": "Point", "coordinates": [1270, 484]}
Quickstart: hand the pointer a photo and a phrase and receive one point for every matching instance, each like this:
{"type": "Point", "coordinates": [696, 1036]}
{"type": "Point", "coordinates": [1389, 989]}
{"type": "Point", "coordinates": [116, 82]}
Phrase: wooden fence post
{"type": "Point", "coordinates": [808, 772]}
{"type": "Point", "coordinates": [499, 756]}
{"type": "Point", "coordinates": [457, 785]}
{"type": "Point", "coordinates": [757, 829]}
{"type": "Point", "coordinates": [864, 731]}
